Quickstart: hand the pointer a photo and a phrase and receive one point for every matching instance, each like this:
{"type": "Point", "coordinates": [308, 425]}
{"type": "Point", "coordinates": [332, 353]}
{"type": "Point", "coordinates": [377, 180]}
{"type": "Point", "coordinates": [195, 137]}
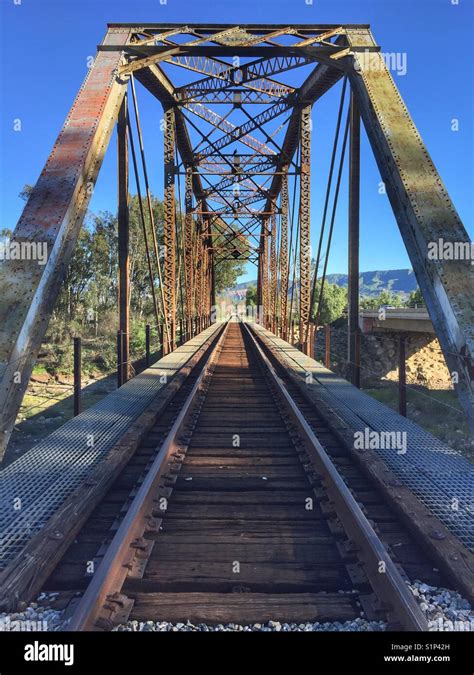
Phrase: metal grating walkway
{"type": "Point", "coordinates": [34, 486]}
{"type": "Point", "coordinates": [438, 475]}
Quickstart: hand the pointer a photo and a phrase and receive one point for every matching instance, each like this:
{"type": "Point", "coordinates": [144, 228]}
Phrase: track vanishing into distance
{"type": "Point", "coordinates": [227, 513]}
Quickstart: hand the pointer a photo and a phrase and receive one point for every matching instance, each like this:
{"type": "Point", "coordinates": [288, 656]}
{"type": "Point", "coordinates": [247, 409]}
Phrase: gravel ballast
{"type": "Point", "coordinates": [445, 610]}
{"type": "Point", "coordinates": [357, 625]}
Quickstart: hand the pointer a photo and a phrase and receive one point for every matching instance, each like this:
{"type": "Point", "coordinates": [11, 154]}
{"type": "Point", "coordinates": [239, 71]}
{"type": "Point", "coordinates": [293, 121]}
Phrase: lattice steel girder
{"type": "Point", "coordinates": [152, 52]}
{"type": "Point", "coordinates": [169, 229]}
{"type": "Point", "coordinates": [233, 96]}
{"type": "Point", "coordinates": [153, 79]}
{"type": "Point", "coordinates": [188, 244]}
{"type": "Point", "coordinates": [233, 133]}
{"type": "Point", "coordinates": [317, 83]}
{"type": "Point", "coordinates": [239, 177]}
{"type": "Point", "coordinates": [273, 269]}
{"type": "Point", "coordinates": [423, 209]}
{"type": "Point", "coordinates": [240, 133]}
{"type": "Point", "coordinates": [253, 76]}
{"type": "Point", "coordinates": [242, 159]}
{"type": "Point", "coordinates": [53, 217]}
{"type": "Point", "coordinates": [264, 255]}
{"type": "Point", "coordinates": [305, 200]}
{"type": "Point", "coordinates": [284, 255]}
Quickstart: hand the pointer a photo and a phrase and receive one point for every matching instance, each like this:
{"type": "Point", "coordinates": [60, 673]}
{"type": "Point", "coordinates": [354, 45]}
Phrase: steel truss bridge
{"type": "Point", "coordinates": [237, 104]}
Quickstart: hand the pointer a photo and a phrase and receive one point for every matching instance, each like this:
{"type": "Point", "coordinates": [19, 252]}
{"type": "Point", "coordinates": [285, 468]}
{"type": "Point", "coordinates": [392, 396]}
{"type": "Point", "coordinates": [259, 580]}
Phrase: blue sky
{"type": "Point", "coordinates": [45, 45]}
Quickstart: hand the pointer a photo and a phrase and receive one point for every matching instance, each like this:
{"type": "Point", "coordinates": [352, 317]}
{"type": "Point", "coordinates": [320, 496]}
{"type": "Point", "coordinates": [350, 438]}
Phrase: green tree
{"type": "Point", "coordinates": [251, 296]}
{"type": "Point", "coordinates": [226, 274]}
{"type": "Point", "coordinates": [78, 276]}
{"type": "Point", "coordinates": [384, 298]}
{"type": "Point", "coordinates": [415, 298]}
{"type": "Point", "coordinates": [26, 192]}
{"type": "Point", "coordinates": [333, 302]}
{"type": "Point", "coordinates": [90, 286]}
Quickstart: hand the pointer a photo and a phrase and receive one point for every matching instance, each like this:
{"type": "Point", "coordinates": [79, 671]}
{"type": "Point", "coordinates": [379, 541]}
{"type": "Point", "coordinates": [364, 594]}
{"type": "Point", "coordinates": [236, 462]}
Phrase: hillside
{"type": "Point", "coordinates": [371, 283]}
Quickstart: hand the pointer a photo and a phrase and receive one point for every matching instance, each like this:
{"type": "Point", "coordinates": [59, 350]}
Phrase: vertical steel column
{"type": "Point", "coordinates": [123, 238]}
{"type": "Point", "coordinates": [169, 233]}
{"type": "Point", "coordinates": [305, 198]}
{"type": "Point", "coordinates": [206, 305]}
{"type": "Point", "coordinates": [261, 257]}
{"type": "Point", "coordinates": [209, 275]}
{"type": "Point", "coordinates": [148, 345]}
{"type": "Point", "coordinates": [265, 289]}
{"type": "Point", "coordinates": [119, 358]}
{"type": "Point", "coordinates": [273, 272]}
{"type": "Point", "coordinates": [402, 377]}
{"type": "Point", "coordinates": [188, 244]}
{"type": "Point", "coordinates": [213, 283]}
{"type": "Point", "coordinates": [204, 295]}
{"type": "Point", "coordinates": [353, 344]}
{"type": "Point", "coordinates": [199, 273]}
{"type": "Point", "coordinates": [77, 376]}
{"type": "Point", "coordinates": [327, 346]}
{"type": "Point", "coordinates": [268, 278]}
{"type": "Point", "coordinates": [284, 254]}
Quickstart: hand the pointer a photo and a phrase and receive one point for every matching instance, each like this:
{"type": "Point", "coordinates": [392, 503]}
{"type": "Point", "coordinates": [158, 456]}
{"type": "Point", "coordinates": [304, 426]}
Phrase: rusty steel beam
{"type": "Point", "coordinates": [273, 271]}
{"type": "Point", "coordinates": [198, 268]}
{"type": "Point", "coordinates": [423, 209]}
{"type": "Point", "coordinates": [253, 76]}
{"type": "Point", "coordinates": [152, 53]}
{"type": "Point", "coordinates": [188, 245]}
{"type": "Point", "coordinates": [213, 28]}
{"type": "Point", "coordinates": [233, 97]}
{"type": "Point", "coordinates": [123, 240]}
{"type": "Point", "coordinates": [267, 278]}
{"type": "Point", "coordinates": [234, 133]}
{"type": "Point", "coordinates": [353, 357]}
{"type": "Point", "coordinates": [266, 163]}
{"type": "Point", "coordinates": [52, 219]}
{"type": "Point", "coordinates": [241, 133]}
{"type": "Point", "coordinates": [305, 201]}
{"type": "Point", "coordinates": [317, 83]}
{"type": "Point", "coordinates": [284, 256]}
{"type": "Point", "coordinates": [156, 82]}
{"type": "Point", "coordinates": [169, 233]}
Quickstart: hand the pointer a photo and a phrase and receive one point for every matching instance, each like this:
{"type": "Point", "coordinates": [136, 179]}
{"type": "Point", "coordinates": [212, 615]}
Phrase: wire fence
{"type": "Point", "coordinates": [343, 363]}
{"type": "Point", "coordinates": [52, 392]}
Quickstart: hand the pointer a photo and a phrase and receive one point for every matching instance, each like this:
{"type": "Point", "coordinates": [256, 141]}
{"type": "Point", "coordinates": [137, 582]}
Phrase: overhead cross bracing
{"type": "Point", "coordinates": [237, 134]}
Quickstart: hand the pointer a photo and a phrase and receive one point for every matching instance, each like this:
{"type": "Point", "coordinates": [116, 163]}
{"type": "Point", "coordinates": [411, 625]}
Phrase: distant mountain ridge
{"type": "Point", "coordinates": [371, 283]}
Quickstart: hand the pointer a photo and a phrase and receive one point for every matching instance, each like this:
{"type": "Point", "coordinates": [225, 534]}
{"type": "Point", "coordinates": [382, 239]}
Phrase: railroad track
{"type": "Point", "coordinates": [241, 505]}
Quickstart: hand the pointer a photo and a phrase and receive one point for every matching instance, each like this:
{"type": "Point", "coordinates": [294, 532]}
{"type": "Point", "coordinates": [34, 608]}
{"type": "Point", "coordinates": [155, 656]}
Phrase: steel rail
{"type": "Point", "coordinates": [379, 567]}
{"type": "Point", "coordinates": [112, 570]}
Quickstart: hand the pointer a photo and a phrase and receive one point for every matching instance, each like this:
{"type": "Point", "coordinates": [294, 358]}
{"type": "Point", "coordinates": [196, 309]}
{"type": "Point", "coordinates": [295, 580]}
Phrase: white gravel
{"type": "Point", "coordinates": [33, 618]}
{"type": "Point", "coordinates": [357, 625]}
{"type": "Point", "coordinates": [444, 609]}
